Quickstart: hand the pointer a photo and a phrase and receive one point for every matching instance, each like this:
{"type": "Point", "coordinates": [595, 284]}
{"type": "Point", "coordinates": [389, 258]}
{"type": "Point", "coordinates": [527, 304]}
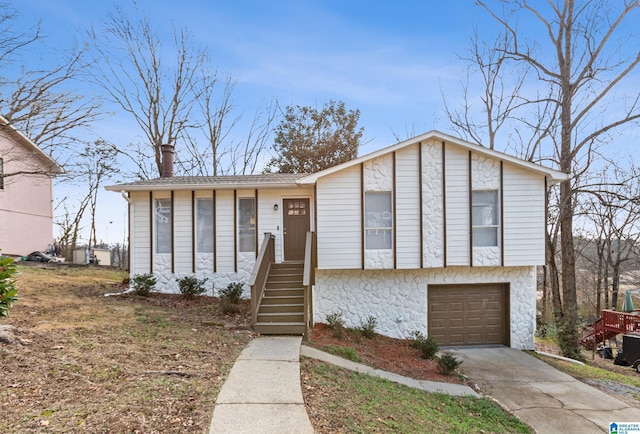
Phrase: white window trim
{"type": "Point", "coordinates": [497, 212]}
{"type": "Point", "coordinates": [197, 233]}
{"type": "Point", "coordinates": [156, 217]}
{"type": "Point", "coordinates": [255, 230]}
{"type": "Point", "coordinates": [388, 229]}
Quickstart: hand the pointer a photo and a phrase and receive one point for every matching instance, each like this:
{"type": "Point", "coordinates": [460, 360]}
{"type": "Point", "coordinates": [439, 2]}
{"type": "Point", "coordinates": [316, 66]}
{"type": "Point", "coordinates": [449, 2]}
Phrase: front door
{"type": "Point", "coordinates": [296, 225]}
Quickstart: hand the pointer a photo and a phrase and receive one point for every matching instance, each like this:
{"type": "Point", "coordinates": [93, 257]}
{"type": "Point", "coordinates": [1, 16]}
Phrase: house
{"type": "Point", "coordinates": [433, 234]}
{"type": "Point", "coordinates": [26, 193]}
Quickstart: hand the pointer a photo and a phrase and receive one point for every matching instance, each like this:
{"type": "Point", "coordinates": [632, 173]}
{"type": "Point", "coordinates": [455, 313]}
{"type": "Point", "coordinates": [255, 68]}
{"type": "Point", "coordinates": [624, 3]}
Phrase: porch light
{"type": "Point", "coordinates": [275, 207]}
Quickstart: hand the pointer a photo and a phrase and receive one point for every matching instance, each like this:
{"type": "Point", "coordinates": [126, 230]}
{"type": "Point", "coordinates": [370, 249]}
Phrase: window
{"type": "Point", "coordinates": [204, 225]}
{"type": "Point", "coordinates": [484, 218]}
{"type": "Point", "coordinates": [296, 207]}
{"type": "Point", "coordinates": [1, 175]}
{"type": "Point", "coordinates": [378, 220]}
{"type": "Point", "coordinates": [247, 224]}
{"type": "Point", "coordinates": [163, 225]}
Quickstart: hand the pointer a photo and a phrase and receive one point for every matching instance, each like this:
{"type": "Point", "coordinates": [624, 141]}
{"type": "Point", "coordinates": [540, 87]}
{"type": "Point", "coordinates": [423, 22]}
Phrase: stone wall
{"type": "Point", "coordinates": [433, 207]}
{"type": "Point", "coordinates": [166, 281]}
{"type": "Point", "coordinates": [398, 298]}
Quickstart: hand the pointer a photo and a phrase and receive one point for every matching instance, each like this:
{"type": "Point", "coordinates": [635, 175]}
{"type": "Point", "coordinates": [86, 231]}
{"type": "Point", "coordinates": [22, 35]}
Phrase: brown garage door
{"type": "Point", "coordinates": [468, 314]}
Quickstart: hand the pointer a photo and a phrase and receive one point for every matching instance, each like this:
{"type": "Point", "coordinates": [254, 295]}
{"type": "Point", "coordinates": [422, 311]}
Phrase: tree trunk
{"type": "Point", "coordinates": [615, 287]}
{"type": "Point", "coordinates": [556, 300]}
{"type": "Point", "coordinates": [606, 286]}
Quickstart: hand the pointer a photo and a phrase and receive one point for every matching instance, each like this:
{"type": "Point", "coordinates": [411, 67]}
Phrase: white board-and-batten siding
{"type": "Point", "coordinates": [140, 232]}
{"type": "Point", "coordinates": [456, 175]}
{"type": "Point", "coordinates": [182, 232]}
{"type": "Point", "coordinates": [407, 212]}
{"type": "Point", "coordinates": [448, 174]}
{"type": "Point", "coordinates": [524, 218]}
{"type": "Point", "coordinates": [229, 265]}
{"type": "Point", "coordinates": [339, 216]}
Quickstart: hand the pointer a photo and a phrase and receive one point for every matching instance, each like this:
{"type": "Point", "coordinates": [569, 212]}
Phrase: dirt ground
{"type": "Point", "coordinates": [82, 362]}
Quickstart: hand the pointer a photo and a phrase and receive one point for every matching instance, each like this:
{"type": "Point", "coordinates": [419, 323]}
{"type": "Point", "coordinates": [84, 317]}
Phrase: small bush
{"type": "Point", "coordinates": [230, 308]}
{"type": "Point", "coordinates": [447, 363]}
{"type": "Point", "coordinates": [426, 344]}
{"type": "Point", "coordinates": [143, 284]}
{"type": "Point", "coordinates": [190, 286]}
{"type": "Point", "coordinates": [8, 291]}
{"type": "Point", "coordinates": [232, 293]}
{"type": "Point", "coordinates": [336, 324]}
{"type": "Point", "coordinates": [368, 327]}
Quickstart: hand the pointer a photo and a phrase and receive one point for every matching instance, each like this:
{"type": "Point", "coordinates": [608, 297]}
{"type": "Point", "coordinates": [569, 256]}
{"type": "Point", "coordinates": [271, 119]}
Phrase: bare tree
{"type": "Point", "coordinates": [70, 224]}
{"type": "Point", "coordinates": [576, 53]}
{"type": "Point", "coordinates": [97, 164]}
{"type": "Point", "coordinates": [160, 93]}
{"type": "Point", "coordinates": [217, 124]}
{"type": "Point", "coordinates": [613, 209]}
{"type": "Point", "coordinates": [246, 155]}
{"type": "Point", "coordinates": [43, 103]}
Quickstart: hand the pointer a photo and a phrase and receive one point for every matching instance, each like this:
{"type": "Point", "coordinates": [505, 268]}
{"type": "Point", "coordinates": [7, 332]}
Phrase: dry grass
{"type": "Point", "coordinates": [87, 363]}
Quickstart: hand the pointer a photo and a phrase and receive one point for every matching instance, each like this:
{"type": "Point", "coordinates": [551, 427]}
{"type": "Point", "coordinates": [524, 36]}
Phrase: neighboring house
{"type": "Point", "coordinates": [26, 193]}
{"type": "Point", "coordinates": [433, 234]}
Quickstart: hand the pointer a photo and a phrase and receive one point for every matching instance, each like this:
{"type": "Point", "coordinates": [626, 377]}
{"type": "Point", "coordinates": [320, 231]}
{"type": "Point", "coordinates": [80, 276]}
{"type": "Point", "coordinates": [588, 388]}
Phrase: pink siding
{"type": "Point", "coordinates": [26, 211]}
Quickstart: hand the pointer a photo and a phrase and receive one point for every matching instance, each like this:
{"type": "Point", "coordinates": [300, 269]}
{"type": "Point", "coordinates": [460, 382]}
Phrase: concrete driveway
{"type": "Point", "coordinates": [541, 396]}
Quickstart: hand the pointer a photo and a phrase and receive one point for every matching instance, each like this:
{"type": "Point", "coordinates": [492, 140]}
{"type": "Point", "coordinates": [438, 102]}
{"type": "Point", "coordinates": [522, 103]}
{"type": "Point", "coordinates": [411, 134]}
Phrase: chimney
{"type": "Point", "coordinates": [167, 161]}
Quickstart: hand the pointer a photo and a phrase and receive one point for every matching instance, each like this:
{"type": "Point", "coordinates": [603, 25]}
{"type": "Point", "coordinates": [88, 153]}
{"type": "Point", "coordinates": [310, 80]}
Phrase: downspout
{"type": "Point", "coordinates": [130, 211]}
{"type": "Point", "coordinates": [130, 202]}
{"type": "Point", "coordinates": [126, 197]}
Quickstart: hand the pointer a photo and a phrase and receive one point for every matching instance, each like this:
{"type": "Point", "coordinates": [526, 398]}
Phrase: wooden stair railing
{"type": "Point", "coordinates": [309, 278]}
{"type": "Point", "coordinates": [610, 324]}
{"type": "Point", "coordinates": [260, 273]}
{"type": "Point", "coordinates": [281, 299]}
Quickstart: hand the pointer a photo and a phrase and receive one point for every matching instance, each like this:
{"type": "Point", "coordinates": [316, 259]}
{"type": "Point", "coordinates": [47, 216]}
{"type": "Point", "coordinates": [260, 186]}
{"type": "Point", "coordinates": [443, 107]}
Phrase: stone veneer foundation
{"type": "Point", "coordinates": [398, 298]}
{"type": "Point", "coordinates": [166, 281]}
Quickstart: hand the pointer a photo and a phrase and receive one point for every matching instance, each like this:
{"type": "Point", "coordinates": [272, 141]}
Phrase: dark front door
{"type": "Point", "coordinates": [296, 225]}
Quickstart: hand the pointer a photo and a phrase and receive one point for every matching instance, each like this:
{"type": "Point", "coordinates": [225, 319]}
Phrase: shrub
{"type": "Point", "coordinates": [447, 363]}
{"type": "Point", "coordinates": [368, 327]}
{"type": "Point", "coordinates": [190, 286]}
{"type": "Point", "coordinates": [336, 324]}
{"type": "Point", "coordinates": [230, 308]}
{"type": "Point", "coordinates": [426, 344]}
{"type": "Point", "coordinates": [232, 293]}
{"type": "Point", "coordinates": [143, 284]}
{"type": "Point", "coordinates": [8, 291]}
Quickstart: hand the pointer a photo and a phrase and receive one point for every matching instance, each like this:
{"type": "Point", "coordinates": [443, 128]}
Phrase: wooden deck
{"type": "Point", "coordinates": [610, 324]}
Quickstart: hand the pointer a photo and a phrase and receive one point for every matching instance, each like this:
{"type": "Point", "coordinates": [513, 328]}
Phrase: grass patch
{"type": "Point", "coordinates": [344, 352]}
{"type": "Point", "coordinates": [583, 372]}
{"type": "Point", "coordinates": [377, 405]}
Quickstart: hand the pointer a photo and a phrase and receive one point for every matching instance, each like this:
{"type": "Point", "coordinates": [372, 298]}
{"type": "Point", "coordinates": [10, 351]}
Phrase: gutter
{"type": "Point", "coordinates": [124, 194]}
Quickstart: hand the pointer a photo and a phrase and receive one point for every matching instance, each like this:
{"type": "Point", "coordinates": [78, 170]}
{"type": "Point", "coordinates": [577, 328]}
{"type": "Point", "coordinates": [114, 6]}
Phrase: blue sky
{"type": "Point", "coordinates": [390, 60]}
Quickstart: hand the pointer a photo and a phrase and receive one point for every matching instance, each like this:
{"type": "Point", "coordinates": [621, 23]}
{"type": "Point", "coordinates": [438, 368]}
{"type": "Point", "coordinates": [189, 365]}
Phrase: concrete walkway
{"type": "Point", "coordinates": [548, 400]}
{"type": "Point", "coordinates": [262, 393]}
{"type": "Point", "coordinates": [427, 386]}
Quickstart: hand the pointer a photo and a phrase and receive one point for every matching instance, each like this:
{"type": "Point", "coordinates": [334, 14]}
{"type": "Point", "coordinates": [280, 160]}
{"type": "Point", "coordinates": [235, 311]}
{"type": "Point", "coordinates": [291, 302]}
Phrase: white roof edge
{"type": "Point", "coordinates": [187, 186]}
{"type": "Point", "coordinates": [55, 167]}
{"type": "Point", "coordinates": [555, 175]}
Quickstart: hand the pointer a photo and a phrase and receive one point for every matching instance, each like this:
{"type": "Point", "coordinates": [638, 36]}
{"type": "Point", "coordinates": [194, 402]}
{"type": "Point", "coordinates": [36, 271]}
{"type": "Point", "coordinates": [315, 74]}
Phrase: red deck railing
{"type": "Point", "coordinates": [609, 324]}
